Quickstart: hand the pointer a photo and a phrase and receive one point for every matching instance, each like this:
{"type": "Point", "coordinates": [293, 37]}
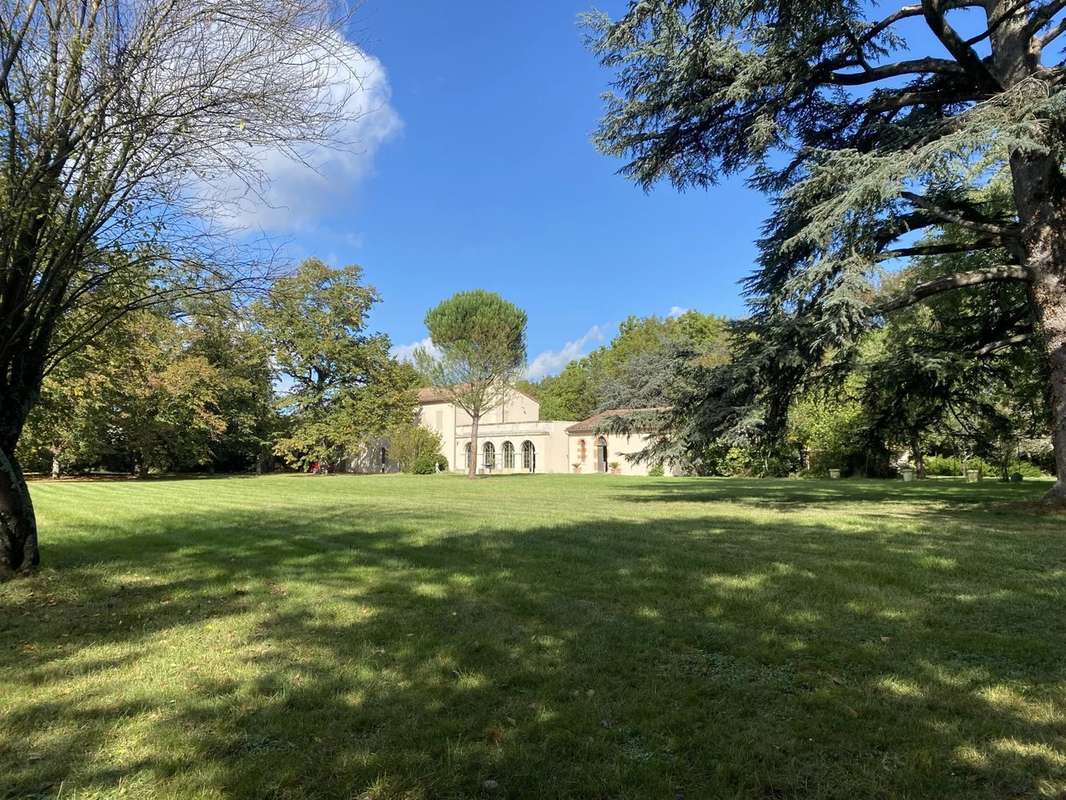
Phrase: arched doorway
{"type": "Point", "coordinates": [529, 456]}
{"type": "Point", "coordinates": [508, 455]}
{"type": "Point", "coordinates": [383, 457]}
{"type": "Point", "coordinates": [601, 454]}
{"type": "Point", "coordinates": [489, 451]}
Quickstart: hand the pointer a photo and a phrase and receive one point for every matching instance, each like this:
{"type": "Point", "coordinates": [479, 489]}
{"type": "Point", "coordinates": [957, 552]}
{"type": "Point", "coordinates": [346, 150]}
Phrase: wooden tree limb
{"type": "Point", "coordinates": [917, 66]}
{"type": "Point", "coordinates": [939, 249]}
{"type": "Point", "coordinates": [994, 347]}
{"type": "Point", "coordinates": [934, 12]}
{"type": "Point", "coordinates": [948, 283]}
{"type": "Point", "coordinates": [963, 217]}
{"type": "Point", "coordinates": [1043, 15]}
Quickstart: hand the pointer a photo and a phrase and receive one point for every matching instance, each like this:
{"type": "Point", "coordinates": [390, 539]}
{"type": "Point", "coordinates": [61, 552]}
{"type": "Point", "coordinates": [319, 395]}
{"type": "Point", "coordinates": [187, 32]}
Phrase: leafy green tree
{"type": "Point", "coordinates": [861, 140]}
{"type": "Point", "coordinates": [481, 350]}
{"type": "Point", "coordinates": [163, 401]}
{"type": "Point", "coordinates": [411, 445]}
{"type": "Point", "coordinates": [572, 394]}
{"type": "Point", "coordinates": [70, 422]}
{"type": "Point", "coordinates": [214, 328]}
{"type": "Point", "coordinates": [343, 387]}
{"type": "Point", "coordinates": [181, 390]}
{"type": "Point", "coordinates": [633, 368]}
{"type": "Point", "coordinates": [117, 118]}
{"type": "Point", "coordinates": [830, 430]}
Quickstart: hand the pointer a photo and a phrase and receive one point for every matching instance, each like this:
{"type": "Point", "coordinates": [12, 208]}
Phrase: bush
{"type": "Point", "coordinates": [424, 465]}
{"type": "Point", "coordinates": [946, 466]}
{"type": "Point", "coordinates": [657, 471]}
{"type": "Point", "coordinates": [414, 448]}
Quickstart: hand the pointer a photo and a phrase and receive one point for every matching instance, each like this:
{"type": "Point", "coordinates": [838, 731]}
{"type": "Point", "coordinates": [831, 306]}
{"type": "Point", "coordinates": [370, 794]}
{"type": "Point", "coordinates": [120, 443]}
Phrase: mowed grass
{"type": "Point", "coordinates": [536, 637]}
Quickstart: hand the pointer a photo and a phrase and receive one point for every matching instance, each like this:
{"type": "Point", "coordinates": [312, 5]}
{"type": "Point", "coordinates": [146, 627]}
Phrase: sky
{"type": "Point", "coordinates": [473, 167]}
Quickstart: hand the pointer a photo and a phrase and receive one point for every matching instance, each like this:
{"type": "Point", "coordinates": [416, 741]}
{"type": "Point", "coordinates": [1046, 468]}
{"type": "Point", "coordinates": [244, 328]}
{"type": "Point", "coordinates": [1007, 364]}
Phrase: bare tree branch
{"type": "Point", "coordinates": [934, 12]}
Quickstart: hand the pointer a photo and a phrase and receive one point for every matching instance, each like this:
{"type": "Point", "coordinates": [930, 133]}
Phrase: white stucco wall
{"type": "Point", "coordinates": [618, 447]}
{"type": "Point", "coordinates": [517, 421]}
{"type": "Point", "coordinates": [440, 417]}
{"type": "Point", "coordinates": [548, 439]}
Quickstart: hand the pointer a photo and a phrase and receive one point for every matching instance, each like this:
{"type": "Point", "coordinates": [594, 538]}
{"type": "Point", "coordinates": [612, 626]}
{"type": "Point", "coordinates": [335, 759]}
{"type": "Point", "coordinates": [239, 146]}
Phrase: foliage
{"type": "Point", "coordinates": [430, 465]}
{"type": "Point", "coordinates": [862, 138]}
{"type": "Point", "coordinates": [480, 342]}
{"type": "Point", "coordinates": [635, 367]}
{"type": "Point", "coordinates": [830, 429]}
{"type": "Point", "coordinates": [344, 388]}
{"type": "Point", "coordinates": [157, 391]}
{"type": "Point", "coordinates": [413, 447]}
{"type": "Point", "coordinates": [121, 122]}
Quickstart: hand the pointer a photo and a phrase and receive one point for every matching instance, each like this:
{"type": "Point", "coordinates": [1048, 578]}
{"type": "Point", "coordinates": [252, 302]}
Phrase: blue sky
{"type": "Point", "coordinates": [474, 169]}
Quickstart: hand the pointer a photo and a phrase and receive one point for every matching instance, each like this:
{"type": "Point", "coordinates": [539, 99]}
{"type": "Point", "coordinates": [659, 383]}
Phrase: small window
{"type": "Point", "coordinates": [490, 456]}
{"type": "Point", "coordinates": [508, 455]}
{"type": "Point", "coordinates": [529, 456]}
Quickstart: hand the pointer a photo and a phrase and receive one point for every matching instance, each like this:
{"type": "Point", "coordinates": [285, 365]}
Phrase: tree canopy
{"type": "Point", "coordinates": [874, 153]}
{"type": "Point", "coordinates": [118, 121]}
{"type": "Point", "coordinates": [344, 388]}
{"type": "Point", "coordinates": [480, 342]}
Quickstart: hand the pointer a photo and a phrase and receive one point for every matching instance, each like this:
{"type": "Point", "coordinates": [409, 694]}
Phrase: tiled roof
{"type": "Point", "coordinates": [436, 394]}
{"type": "Point", "coordinates": [432, 394]}
{"type": "Point", "coordinates": [595, 423]}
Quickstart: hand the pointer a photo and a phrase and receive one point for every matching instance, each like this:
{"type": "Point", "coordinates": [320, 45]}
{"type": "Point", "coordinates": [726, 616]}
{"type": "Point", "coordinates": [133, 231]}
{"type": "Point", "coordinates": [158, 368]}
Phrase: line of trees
{"type": "Point", "coordinates": [909, 393]}
{"type": "Point", "coordinates": [117, 122]}
{"type": "Point", "coordinates": [211, 384]}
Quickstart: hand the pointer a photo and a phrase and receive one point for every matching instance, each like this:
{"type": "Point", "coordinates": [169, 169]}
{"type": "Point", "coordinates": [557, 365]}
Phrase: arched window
{"type": "Point", "coordinates": [384, 457]}
{"type": "Point", "coordinates": [529, 456]}
{"type": "Point", "coordinates": [490, 456]}
{"type": "Point", "coordinates": [467, 462]}
{"type": "Point", "coordinates": [601, 454]}
{"type": "Point", "coordinates": [508, 455]}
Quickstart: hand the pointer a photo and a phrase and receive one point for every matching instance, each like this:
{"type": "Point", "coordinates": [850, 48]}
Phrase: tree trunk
{"type": "Point", "coordinates": [57, 467]}
{"type": "Point", "coordinates": [1040, 193]}
{"type": "Point", "coordinates": [919, 459]}
{"type": "Point", "coordinates": [18, 525]}
{"type": "Point", "coordinates": [471, 468]}
{"type": "Point", "coordinates": [1040, 197]}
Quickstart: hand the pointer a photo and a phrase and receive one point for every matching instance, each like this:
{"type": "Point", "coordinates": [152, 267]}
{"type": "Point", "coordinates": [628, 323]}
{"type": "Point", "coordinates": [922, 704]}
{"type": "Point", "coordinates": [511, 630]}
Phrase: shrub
{"type": "Point", "coordinates": [424, 465]}
{"type": "Point", "coordinates": [413, 447]}
{"type": "Point", "coordinates": [956, 467]}
{"type": "Point", "coordinates": [657, 471]}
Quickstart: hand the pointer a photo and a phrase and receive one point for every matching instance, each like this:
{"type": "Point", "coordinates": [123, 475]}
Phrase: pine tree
{"type": "Point", "coordinates": [862, 141]}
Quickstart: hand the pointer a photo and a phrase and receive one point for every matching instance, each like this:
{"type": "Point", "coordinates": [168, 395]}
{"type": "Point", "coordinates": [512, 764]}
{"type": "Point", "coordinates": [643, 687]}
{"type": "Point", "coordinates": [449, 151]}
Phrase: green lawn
{"type": "Point", "coordinates": [536, 637]}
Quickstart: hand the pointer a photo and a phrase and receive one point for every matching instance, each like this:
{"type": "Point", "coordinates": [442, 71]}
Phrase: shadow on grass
{"type": "Point", "coordinates": [697, 656]}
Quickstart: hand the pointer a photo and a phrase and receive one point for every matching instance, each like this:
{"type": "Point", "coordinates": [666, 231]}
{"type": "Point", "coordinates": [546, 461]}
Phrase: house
{"type": "Point", "coordinates": [512, 438]}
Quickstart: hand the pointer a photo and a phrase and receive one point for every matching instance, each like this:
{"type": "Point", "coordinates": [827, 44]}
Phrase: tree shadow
{"type": "Point", "coordinates": [707, 655]}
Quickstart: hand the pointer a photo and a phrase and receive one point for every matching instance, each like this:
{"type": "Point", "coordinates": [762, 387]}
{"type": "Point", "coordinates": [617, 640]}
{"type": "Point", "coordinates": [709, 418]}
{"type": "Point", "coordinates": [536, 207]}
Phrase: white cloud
{"type": "Point", "coordinates": [295, 195]}
{"type": "Point", "coordinates": [406, 352]}
{"type": "Point", "coordinates": [552, 361]}
{"type": "Point", "coordinates": [676, 311]}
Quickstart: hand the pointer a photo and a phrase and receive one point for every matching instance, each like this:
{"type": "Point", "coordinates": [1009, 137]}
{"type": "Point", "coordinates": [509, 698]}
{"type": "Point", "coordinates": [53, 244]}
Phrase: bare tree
{"type": "Point", "coordinates": [118, 118]}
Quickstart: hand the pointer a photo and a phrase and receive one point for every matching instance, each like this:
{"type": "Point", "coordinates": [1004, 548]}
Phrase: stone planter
{"type": "Point", "coordinates": [834, 474]}
{"type": "Point", "coordinates": [907, 474]}
{"type": "Point", "coordinates": [973, 475]}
